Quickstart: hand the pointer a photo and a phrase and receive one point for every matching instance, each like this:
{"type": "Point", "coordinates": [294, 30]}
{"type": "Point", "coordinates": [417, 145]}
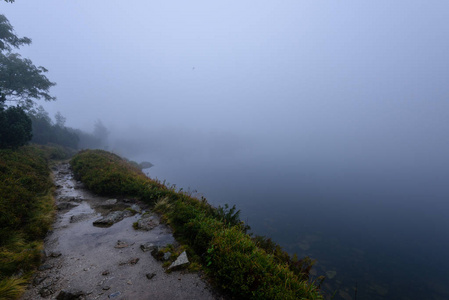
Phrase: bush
{"type": "Point", "coordinates": [15, 127]}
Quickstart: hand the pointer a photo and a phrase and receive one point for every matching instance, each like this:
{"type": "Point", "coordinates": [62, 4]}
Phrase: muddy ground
{"type": "Point", "coordinates": [83, 261]}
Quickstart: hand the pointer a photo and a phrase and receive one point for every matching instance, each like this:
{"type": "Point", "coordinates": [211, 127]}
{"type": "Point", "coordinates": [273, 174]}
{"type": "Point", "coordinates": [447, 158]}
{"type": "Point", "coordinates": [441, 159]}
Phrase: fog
{"type": "Point", "coordinates": [336, 111]}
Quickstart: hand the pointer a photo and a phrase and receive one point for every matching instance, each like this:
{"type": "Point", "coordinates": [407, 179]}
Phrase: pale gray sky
{"type": "Point", "coordinates": [334, 81]}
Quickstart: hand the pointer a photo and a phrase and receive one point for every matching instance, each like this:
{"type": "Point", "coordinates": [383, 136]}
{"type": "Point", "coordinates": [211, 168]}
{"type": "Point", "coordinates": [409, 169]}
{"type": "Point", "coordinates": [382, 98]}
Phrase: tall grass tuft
{"type": "Point", "coordinates": [12, 288]}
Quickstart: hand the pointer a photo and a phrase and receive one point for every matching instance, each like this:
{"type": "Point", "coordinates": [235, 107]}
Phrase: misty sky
{"type": "Point", "coordinates": [323, 81]}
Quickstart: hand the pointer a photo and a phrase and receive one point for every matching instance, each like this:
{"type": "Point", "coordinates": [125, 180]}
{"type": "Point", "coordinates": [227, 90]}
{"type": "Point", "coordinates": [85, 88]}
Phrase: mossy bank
{"type": "Point", "coordinates": [26, 212]}
{"type": "Point", "coordinates": [238, 264]}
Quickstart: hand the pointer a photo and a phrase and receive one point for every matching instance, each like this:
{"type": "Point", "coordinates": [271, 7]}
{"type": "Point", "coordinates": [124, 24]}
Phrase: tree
{"type": "Point", "coordinates": [101, 133]}
{"type": "Point", "coordinates": [46, 132]}
{"type": "Point", "coordinates": [20, 80]}
{"type": "Point", "coordinates": [60, 120]}
{"type": "Point", "coordinates": [15, 126]}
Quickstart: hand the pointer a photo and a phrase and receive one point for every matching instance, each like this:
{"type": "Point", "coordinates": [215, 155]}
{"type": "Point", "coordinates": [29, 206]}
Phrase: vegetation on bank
{"type": "Point", "coordinates": [239, 264]}
{"type": "Point", "coordinates": [26, 212]}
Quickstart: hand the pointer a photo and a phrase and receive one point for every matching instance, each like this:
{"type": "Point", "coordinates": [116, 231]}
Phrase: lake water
{"type": "Point", "coordinates": [376, 232]}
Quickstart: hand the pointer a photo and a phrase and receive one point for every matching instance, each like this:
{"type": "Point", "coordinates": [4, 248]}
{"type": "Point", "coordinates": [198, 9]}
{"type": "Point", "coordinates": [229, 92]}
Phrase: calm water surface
{"type": "Point", "coordinates": [377, 233]}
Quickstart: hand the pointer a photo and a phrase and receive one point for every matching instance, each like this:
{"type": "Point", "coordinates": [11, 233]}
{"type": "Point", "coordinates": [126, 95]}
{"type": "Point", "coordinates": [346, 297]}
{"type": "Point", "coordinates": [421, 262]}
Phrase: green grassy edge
{"type": "Point", "coordinates": [26, 213]}
{"type": "Point", "coordinates": [238, 264]}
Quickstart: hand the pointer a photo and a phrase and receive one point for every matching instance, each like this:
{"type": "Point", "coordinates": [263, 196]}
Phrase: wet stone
{"type": "Point", "coordinates": [148, 222]}
{"type": "Point", "coordinates": [109, 203]}
{"type": "Point", "coordinates": [114, 295]}
{"type": "Point", "coordinates": [112, 218]}
{"type": "Point", "coordinates": [45, 267]}
{"type": "Point", "coordinates": [55, 254]}
{"type": "Point", "coordinates": [39, 279]}
{"type": "Point", "coordinates": [121, 244]}
{"type": "Point", "coordinates": [70, 295]}
{"type": "Point", "coordinates": [46, 291]}
{"type": "Point", "coordinates": [136, 208]}
{"type": "Point", "coordinates": [180, 262]}
{"type": "Point", "coordinates": [132, 261]}
{"type": "Point", "coordinates": [65, 205]}
{"type": "Point", "coordinates": [147, 247]}
{"type": "Point", "coordinates": [80, 217]}
{"type": "Point", "coordinates": [167, 255]}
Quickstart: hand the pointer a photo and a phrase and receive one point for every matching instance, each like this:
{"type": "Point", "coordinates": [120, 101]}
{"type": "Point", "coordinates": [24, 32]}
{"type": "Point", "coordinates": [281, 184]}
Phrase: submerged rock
{"type": "Point", "coordinates": [331, 274]}
{"type": "Point", "coordinates": [111, 202]}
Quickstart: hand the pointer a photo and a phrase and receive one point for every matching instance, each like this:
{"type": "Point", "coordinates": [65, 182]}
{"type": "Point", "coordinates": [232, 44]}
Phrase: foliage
{"type": "Point", "coordinates": [24, 182]}
{"type": "Point", "coordinates": [45, 132]}
{"type": "Point", "coordinates": [107, 174]}
{"type": "Point", "coordinates": [98, 139]}
{"type": "Point", "coordinates": [248, 271]}
{"type": "Point", "coordinates": [15, 127]}
{"type": "Point", "coordinates": [230, 216]}
{"type": "Point", "coordinates": [12, 288]}
{"type": "Point", "coordinates": [26, 213]}
{"type": "Point", "coordinates": [20, 79]}
{"type": "Point", "coordinates": [8, 39]}
{"type": "Point", "coordinates": [244, 267]}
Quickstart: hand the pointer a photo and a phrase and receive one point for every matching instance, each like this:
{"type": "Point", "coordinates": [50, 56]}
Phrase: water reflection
{"type": "Point", "coordinates": [375, 235]}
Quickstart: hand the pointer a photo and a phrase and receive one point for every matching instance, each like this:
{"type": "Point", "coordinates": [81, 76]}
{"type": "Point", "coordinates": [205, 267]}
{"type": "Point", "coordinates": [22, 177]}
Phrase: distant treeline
{"type": "Point", "coordinates": [45, 131]}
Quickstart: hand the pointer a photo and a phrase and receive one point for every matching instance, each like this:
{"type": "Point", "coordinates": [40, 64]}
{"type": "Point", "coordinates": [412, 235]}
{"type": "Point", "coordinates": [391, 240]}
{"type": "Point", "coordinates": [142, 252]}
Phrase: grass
{"type": "Point", "coordinates": [240, 265]}
{"type": "Point", "coordinates": [26, 213]}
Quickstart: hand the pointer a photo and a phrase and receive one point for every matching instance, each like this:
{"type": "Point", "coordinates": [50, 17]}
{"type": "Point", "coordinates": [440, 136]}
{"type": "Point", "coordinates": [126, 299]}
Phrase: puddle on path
{"type": "Point", "coordinates": [84, 257]}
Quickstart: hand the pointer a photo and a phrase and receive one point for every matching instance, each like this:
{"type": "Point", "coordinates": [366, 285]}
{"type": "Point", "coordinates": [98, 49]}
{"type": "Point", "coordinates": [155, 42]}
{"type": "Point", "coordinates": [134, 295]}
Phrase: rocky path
{"type": "Point", "coordinates": [108, 260]}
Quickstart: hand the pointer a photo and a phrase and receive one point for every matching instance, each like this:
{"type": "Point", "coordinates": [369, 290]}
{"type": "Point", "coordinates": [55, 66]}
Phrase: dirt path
{"type": "Point", "coordinates": [84, 261]}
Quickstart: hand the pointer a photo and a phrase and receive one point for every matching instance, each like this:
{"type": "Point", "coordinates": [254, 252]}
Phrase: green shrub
{"type": "Point", "coordinates": [249, 272]}
{"type": "Point", "coordinates": [26, 214]}
{"type": "Point", "coordinates": [15, 127]}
